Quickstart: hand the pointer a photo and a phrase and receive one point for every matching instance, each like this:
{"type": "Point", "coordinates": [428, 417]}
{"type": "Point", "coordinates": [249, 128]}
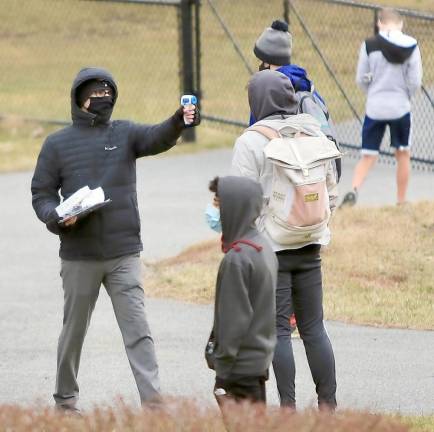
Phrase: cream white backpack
{"type": "Point", "coordinates": [298, 209]}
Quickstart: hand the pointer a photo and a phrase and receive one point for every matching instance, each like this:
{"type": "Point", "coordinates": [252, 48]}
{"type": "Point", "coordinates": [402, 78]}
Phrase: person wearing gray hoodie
{"type": "Point", "coordinates": [389, 71]}
{"type": "Point", "coordinates": [244, 333]}
{"type": "Point", "coordinates": [299, 284]}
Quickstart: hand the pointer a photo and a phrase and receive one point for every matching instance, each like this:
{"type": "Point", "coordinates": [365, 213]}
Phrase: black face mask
{"type": "Point", "coordinates": [102, 107]}
{"type": "Point", "coordinates": [263, 67]}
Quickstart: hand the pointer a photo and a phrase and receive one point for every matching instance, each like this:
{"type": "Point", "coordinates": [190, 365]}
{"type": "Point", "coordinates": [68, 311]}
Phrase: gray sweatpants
{"type": "Point", "coordinates": [122, 278]}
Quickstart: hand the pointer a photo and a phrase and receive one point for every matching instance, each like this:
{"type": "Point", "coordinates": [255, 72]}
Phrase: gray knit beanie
{"type": "Point", "coordinates": [274, 46]}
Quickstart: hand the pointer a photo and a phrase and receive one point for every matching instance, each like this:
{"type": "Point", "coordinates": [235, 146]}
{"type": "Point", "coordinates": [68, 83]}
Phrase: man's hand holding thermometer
{"type": "Point", "coordinates": [190, 110]}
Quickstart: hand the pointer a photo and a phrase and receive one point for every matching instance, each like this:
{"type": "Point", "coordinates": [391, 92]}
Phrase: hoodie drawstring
{"type": "Point", "coordinates": [234, 245]}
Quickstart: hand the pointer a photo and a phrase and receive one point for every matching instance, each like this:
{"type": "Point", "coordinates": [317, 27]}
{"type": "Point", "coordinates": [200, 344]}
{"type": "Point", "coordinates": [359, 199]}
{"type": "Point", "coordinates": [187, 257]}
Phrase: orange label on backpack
{"type": "Point", "coordinates": [311, 197]}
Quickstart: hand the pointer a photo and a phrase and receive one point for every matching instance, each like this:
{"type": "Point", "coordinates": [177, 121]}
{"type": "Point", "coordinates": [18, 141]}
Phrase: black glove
{"type": "Point", "coordinates": [179, 115]}
{"type": "Point", "coordinates": [196, 120]}
{"type": "Point", "coordinates": [52, 222]}
{"type": "Point", "coordinates": [55, 226]}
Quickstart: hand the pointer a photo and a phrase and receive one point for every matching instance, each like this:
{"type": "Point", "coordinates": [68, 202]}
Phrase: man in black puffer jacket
{"type": "Point", "coordinates": [104, 246]}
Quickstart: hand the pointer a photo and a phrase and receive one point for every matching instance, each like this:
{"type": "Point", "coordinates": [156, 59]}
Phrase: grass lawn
{"type": "Point", "coordinates": [44, 45]}
{"type": "Point", "coordinates": [420, 424]}
{"type": "Point", "coordinates": [418, 5]}
{"type": "Point", "coordinates": [379, 269]}
{"type": "Point", "coordinates": [185, 416]}
{"type": "Point", "coordinates": [20, 142]}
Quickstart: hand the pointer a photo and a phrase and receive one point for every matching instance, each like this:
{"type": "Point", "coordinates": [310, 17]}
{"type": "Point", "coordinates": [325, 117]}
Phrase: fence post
{"type": "Point", "coordinates": [286, 12]}
{"type": "Point", "coordinates": [376, 30]}
{"type": "Point", "coordinates": [198, 56]}
{"type": "Point", "coordinates": [187, 61]}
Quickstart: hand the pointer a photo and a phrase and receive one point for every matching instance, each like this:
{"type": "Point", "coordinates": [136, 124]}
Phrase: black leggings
{"type": "Point", "coordinates": [299, 288]}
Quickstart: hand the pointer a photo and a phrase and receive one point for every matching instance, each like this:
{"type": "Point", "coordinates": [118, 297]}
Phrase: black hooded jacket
{"type": "Point", "coordinates": [91, 154]}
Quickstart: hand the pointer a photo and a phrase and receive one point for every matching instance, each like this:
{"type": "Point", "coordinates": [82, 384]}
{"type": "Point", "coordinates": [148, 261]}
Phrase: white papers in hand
{"type": "Point", "coordinates": [79, 201]}
{"type": "Point", "coordinates": [96, 196]}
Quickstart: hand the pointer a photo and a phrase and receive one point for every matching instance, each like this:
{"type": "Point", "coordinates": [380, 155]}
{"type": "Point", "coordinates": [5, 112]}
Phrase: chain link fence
{"type": "Point", "coordinates": [327, 35]}
{"type": "Point", "coordinates": [227, 55]}
{"type": "Point", "coordinates": [145, 45]}
{"type": "Point", "coordinates": [331, 52]}
{"type": "Point", "coordinates": [44, 43]}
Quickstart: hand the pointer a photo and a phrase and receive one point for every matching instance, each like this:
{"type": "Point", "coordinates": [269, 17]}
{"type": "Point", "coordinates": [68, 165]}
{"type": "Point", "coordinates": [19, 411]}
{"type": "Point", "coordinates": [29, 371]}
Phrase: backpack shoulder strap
{"type": "Point", "coordinates": [301, 101]}
{"type": "Point", "coordinates": [266, 131]}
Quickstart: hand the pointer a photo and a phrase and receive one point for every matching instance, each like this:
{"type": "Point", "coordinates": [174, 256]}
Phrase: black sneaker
{"type": "Point", "coordinates": [350, 199]}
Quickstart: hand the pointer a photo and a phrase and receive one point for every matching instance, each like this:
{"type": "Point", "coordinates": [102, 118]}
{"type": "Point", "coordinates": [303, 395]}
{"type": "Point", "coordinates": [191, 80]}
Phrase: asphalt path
{"type": "Point", "coordinates": [381, 370]}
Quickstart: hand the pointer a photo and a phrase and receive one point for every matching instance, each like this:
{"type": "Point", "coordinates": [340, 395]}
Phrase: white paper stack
{"type": "Point", "coordinates": [81, 201]}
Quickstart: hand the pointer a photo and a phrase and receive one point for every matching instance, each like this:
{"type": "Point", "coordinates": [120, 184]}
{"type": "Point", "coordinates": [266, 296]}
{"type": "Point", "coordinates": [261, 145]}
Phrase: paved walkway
{"type": "Point", "coordinates": [382, 370]}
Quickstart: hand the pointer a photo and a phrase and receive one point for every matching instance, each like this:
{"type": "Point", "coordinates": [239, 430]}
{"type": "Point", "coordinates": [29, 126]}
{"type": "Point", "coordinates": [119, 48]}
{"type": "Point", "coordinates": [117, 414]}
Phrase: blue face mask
{"type": "Point", "coordinates": [212, 215]}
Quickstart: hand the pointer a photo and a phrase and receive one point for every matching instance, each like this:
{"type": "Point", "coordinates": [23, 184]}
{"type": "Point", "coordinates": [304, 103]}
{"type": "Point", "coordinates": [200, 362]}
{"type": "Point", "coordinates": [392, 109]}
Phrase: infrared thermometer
{"type": "Point", "coordinates": [188, 100]}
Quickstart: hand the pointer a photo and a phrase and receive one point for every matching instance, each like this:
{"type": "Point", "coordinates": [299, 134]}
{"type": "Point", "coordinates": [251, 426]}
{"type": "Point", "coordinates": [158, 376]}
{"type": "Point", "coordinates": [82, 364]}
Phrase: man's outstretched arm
{"type": "Point", "coordinates": [153, 139]}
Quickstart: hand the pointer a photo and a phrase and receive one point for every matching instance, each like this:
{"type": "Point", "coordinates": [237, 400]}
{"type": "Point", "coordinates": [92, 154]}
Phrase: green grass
{"type": "Point", "coordinates": [379, 269]}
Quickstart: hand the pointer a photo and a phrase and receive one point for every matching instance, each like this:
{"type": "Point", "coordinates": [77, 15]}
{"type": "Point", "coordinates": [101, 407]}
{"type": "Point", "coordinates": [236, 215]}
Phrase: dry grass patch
{"type": "Point", "coordinates": [190, 276]}
{"type": "Point", "coordinates": [44, 46]}
{"type": "Point", "coordinates": [21, 141]}
{"type": "Point", "coordinates": [420, 424]}
{"type": "Point", "coordinates": [419, 5]}
{"type": "Point", "coordinates": [379, 269]}
{"type": "Point", "coordinates": [189, 417]}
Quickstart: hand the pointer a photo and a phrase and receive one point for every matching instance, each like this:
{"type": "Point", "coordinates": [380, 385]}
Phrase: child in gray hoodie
{"type": "Point", "coordinates": [244, 333]}
{"type": "Point", "coordinates": [389, 71]}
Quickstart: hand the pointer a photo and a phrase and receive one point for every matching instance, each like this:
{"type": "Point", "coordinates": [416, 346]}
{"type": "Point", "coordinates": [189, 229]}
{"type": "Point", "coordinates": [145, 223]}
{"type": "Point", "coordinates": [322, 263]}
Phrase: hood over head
{"type": "Point", "coordinates": [271, 93]}
{"type": "Point", "coordinates": [89, 74]}
{"type": "Point", "coordinates": [240, 206]}
{"type": "Point", "coordinates": [396, 46]}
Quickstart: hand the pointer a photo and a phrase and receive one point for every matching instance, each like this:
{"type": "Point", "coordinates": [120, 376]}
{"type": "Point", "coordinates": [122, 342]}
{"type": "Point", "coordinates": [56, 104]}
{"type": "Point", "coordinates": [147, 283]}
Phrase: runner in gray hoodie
{"type": "Point", "coordinates": [389, 71]}
{"type": "Point", "coordinates": [244, 333]}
